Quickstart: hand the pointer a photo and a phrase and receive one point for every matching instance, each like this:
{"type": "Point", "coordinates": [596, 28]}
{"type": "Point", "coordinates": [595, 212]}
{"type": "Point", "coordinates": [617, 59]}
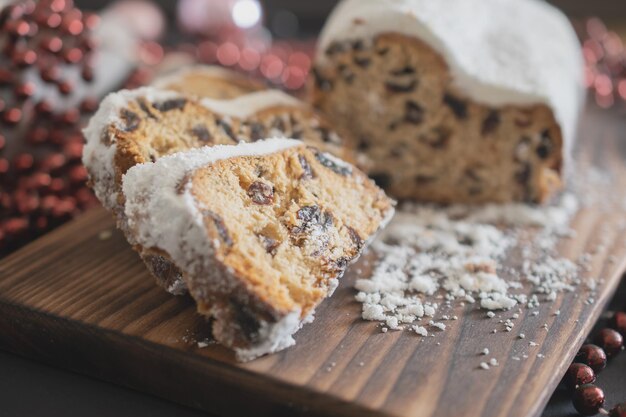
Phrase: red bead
{"type": "Point", "coordinates": [87, 74]}
{"type": "Point", "coordinates": [77, 174]}
{"type": "Point", "coordinates": [70, 117]}
{"type": "Point", "coordinates": [73, 55]}
{"type": "Point", "coordinates": [611, 341]}
{"type": "Point", "coordinates": [24, 58]}
{"type": "Point", "coordinates": [588, 400]}
{"type": "Point", "coordinates": [25, 90]}
{"type": "Point", "coordinates": [15, 226]}
{"type": "Point", "coordinates": [40, 180]}
{"type": "Point", "coordinates": [3, 142]}
{"type": "Point", "coordinates": [50, 74]}
{"type": "Point", "coordinates": [37, 136]}
{"type": "Point", "coordinates": [65, 87]}
{"type": "Point", "coordinates": [49, 202]}
{"type": "Point", "coordinates": [53, 44]}
{"type": "Point", "coordinates": [53, 21]}
{"type": "Point", "coordinates": [618, 322]}
{"type": "Point", "coordinates": [12, 116]}
{"type": "Point", "coordinates": [20, 28]}
{"type": "Point", "coordinates": [26, 203]}
{"type": "Point", "coordinates": [53, 162]}
{"type": "Point", "coordinates": [65, 207]}
{"type": "Point", "coordinates": [91, 20]}
{"type": "Point", "coordinates": [593, 356]}
{"type": "Point", "coordinates": [89, 105]}
{"type": "Point", "coordinates": [579, 374]}
{"type": "Point", "coordinates": [43, 108]}
{"type": "Point", "coordinates": [23, 162]}
{"type": "Point", "coordinates": [618, 411]}
{"type": "Point", "coordinates": [57, 185]}
{"type": "Point", "coordinates": [73, 150]}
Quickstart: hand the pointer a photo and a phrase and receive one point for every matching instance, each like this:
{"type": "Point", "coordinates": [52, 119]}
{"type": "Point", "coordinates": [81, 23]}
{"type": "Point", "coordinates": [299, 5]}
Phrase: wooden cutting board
{"type": "Point", "coordinates": [80, 298]}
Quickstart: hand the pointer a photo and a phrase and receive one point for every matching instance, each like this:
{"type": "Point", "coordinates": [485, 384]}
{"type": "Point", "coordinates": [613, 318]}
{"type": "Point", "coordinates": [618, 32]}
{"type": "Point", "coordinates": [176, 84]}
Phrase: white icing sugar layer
{"type": "Point", "coordinates": [249, 104]}
{"type": "Point", "coordinates": [500, 52]}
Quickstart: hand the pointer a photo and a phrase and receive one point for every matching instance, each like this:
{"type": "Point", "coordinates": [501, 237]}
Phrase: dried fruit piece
{"type": "Point", "coordinates": [491, 123]}
{"type": "Point", "coordinates": [131, 120]}
{"type": "Point", "coordinates": [201, 133]}
{"type": "Point", "coordinates": [437, 138]}
{"type": "Point", "coordinates": [261, 193]}
{"type": "Point", "coordinates": [413, 113]}
{"type": "Point", "coordinates": [329, 163]}
{"type": "Point", "coordinates": [228, 130]}
{"type": "Point", "coordinates": [458, 107]}
{"type": "Point", "coordinates": [220, 226]}
{"type": "Point", "coordinates": [168, 105]}
{"type": "Point", "coordinates": [306, 167]}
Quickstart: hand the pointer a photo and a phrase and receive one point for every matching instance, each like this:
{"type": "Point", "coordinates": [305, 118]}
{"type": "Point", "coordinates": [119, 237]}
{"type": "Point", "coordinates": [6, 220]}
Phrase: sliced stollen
{"type": "Point", "coordinates": [454, 100]}
{"type": "Point", "coordinates": [137, 126]}
{"type": "Point", "coordinates": [261, 231]}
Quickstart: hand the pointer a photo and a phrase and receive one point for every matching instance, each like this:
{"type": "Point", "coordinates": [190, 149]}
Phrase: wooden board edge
{"type": "Point", "coordinates": [204, 384]}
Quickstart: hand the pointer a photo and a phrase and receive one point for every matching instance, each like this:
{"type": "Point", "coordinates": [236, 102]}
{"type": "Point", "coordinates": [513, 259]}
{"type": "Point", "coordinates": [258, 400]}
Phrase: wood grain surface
{"type": "Point", "coordinates": [80, 298]}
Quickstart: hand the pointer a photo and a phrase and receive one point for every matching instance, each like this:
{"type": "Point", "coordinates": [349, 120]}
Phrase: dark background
{"type": "Point", "coordinates": [31, 389]}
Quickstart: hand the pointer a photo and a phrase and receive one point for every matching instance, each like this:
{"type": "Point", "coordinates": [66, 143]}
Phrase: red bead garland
{"type": "Point", "coordinates": [591, 359]}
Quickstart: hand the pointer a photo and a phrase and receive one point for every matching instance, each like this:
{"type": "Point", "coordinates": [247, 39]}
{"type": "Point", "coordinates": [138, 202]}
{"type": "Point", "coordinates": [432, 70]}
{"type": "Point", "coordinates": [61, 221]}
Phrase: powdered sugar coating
{"type": "Point", "coordinates": [500, 52]}
{"type": "Point", "coordinates": [247, 105]}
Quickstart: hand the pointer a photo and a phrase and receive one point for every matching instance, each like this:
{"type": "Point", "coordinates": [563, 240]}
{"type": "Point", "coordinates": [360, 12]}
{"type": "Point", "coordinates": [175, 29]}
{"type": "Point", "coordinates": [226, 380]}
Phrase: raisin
{"type": "Point", "coordinates": [355, 237]}
{"type": "Point", "coordinates": [228, 130]}
{"type": "Point", "coordinates": [544, 149]}
{"type": "Point", "coordinates": [362, 62]}
{"type": "Point", "coordinates": [329, 163]}
{"type": "Point", "coordinates": [131, 120]}
{"type": "Point", "coordinates": [383, 180]}
{"type": "Point", "coordinates": [220, 226]}
{"type": "Point", "coordinates": [458, 107]}
{"type": "Point", "coordinates": [364, 144]}
{"type": "Point", "coordinates": [269, 244]}
{"type": "Point", "coordinates": [523, 175]}
{"type": "Point", "coordinates": [382, 51]}
{"type": "Point", "coordinates": [491, 123]}
{"type": "Point", "coordinates": [437, 138]}
{"type": "Point", "coordinates": [279, 124]}
{"type": "Point", "coordinates": [257, 131]}
{"type": "Point", "coordinates": [335, 48]}
{"type": "Point", "coordinates": [146, 109]}
{"type": "Point", "coordinates": [394, 87]}
{"type": "Point", "coordinates": [261, 193]}
{"type": "Point", "coordinates": [309, 214]}
{"type": "Point", "coordinates": [408, 70]}
{"type": "Point", "coordinates": [168, 105]}
{"type": "Point", "coordinates": [322, 83]}
{"type": "Point", "coordinates": [413, 113]}
{"type": "Point", "coordinates": [358, 45]}
{"type": "Point", "coordinates": [201, 133]}
{"type": "Point", "coordinates": [306, 167]}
